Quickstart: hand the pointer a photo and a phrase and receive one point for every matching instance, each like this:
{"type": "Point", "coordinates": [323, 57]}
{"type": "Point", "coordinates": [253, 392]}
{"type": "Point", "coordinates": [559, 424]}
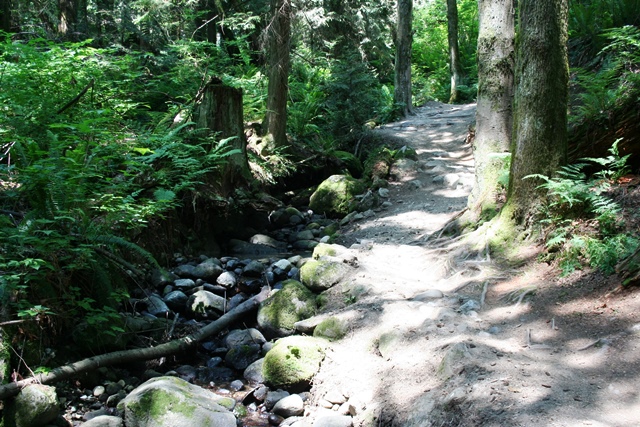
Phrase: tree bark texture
{"type": "Point", "coordinates": [220, 111]}
{"type": "Point", "coordinates": [68, 16]}
{"type": "Point", "coordinates": [278, 34]}
{"type": "Point", "coordinates": [5, 20]}
{"type": "Point", "coordinates": [455, 66]}
{"type": "Point", "coordinates": [494, 113]}
{"type": "Point", "coordinates": [404, 39]}
{"type": "Point", "coordinates": [127, 356]}
{"type": "Point", "coordinates": [539, 144]}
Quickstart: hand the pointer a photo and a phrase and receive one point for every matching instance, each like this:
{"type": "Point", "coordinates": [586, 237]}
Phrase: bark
{"type": "Point", "coordinates": [540, 105]}
{"type": "Point", "coordinates": [278, 34]}
{"type": "Point", "coordinates": [206, 21]}
{"type": "Point", "coordinates": [220, 111]}
{"type": "Point", "coordinates": [68, 16]}
{"type": "Point", "coordinates": [494, 113]}
{"type": "Point", "coordinates": [455, 66]}
{"type": "Point", "coordinates": [5, 20]}
{"type": "Point", "coordinates": [404, 39]}
{"type": "Point", "coordinates": [127, 356]}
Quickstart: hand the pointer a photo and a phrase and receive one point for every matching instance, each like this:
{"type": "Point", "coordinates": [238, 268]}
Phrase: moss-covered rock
{"type": "Point", "coordinates": [36, 405]}
{"type": "Point", "coordinates": [322, 274]}
{"type": "Point", "coordinates": [293, 362]}
{"type": "Point", "coordinates": [335, 196]}
{"type": "Point", "coordinates": [332, 329]}
{"type": "Point", "coordinates": [278, 313]}
{"type": "Point", "coordinates": [170, 402]}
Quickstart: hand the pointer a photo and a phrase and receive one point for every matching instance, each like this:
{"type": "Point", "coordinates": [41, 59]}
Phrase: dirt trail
{"type": "Point", "coordinates": [441, 335]}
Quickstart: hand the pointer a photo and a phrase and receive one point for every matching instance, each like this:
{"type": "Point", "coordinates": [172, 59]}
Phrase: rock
{"type": "Point", "coordinates": [389, 342]}
{"type": "Point", "coordinates": [471, 305]}
{"type": "Point", "coordinates": [156, 306]}
{"type": "Point", "coordinates": [331, 328]}
{"type": "Point", "coordinates": [161, 278]}
{"type": "Point", "coordinates": [335, 195]}
{"type": "Point", "coordinates": [451, 180]}
{"type": "Point", "coordinates": [170, 402]}
{"type": "Point", "coordinates": [261, 239]}
{"type": "Point", "coordinates": [176, 300]}
{"type": "Point", "coordinates": [415, 184]}
{"type": "Point", "coordinates": [104, 421]}
{"type": "Point", "coordinates": [240, 357]}
{"type": "Point", "coordinates": [334, 421]}
{"type": "Point", "coordinates": [402, 168]}
{"type": "Point", "coordinates": [238, 337]}
{"type": "Point", "coordinates": [289, 406]}
{"type": "Point", "coordinates": [245, 248]}
{"type": "Point", "coordinates": [236, 385]}
{"type": "Point", "coordinates": [253, 373]}
{"type": "Point", "coordinates": [227, 279]}
{"type": "Point", "coordinates": [335, 397]}
{"type": "Point", "coordinates": [274, 397]}
{"type": "Point", "coordinates": [184, 284]}
{"type": "Point", "coordinates": [366, 202]}
{"type": "Point", "coordinates": [322, 274]}
{"type": "Point", "coordinates": [302, 235]}
{"type": "Point", "coordinates": [36, 405]}
{"type": "Point", "coordinates": [205, 304]}
{"type": "Point", "coordinates": [185, 270]}
{"type": "Point", "coordinates": [456, 397]}
{"type": "Point", "coordinates": [278, 313]}
{"type": "Point", "coordinates": [283, 264]}
{"type": "Point", "coordinates": [254, 269]}
{"type": "Point", "coordinates": [304, 245]}
{"type": "Point", "coordinates": [293, 362]}
{"type": "Point", "coordinates": [335, 252]}
{"type": "Point", "coordinates": [451, 363]}
{"type": "Point", "coordinates": [208, 270]}
{"type": "Point", "coordinates": [275, 420]}
{"type": "Point", "coordinates": [428, 295]}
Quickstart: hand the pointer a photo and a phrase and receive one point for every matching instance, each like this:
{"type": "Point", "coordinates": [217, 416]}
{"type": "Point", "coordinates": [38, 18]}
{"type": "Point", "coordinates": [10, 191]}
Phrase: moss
{"type": "Point", "coordinates": [331, 229]}
{"type": "Point", "coordinates": [156, 403]}
{"type": "Point", "coordinates": [335, 195]}
{"type": "Point", "coordinates": [319, 275]}
{"type": "Point", "coordinates": [324, 250]}
{"type": "Point", "coordinates": [293, 361]}
{"type": "Point", "coordinates": [332, 329]}
{"type": "Point", "coordinates": [292, 303]}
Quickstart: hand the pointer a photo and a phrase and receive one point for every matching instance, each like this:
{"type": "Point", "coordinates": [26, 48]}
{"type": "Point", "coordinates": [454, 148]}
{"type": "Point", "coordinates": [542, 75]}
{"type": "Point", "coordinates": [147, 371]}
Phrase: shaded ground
{"type": "Point", "coordinates": [530, 349]}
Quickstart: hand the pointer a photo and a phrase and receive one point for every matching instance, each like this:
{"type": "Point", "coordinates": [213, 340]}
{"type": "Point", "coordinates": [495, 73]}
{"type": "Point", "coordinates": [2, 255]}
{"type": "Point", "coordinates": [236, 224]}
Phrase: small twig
{"type": "Point", "coordinates": [483, 295]}
{"type": "Point", "coordinates": [173, 325]}
{"type": "Point", "coordinates": [14, 322]}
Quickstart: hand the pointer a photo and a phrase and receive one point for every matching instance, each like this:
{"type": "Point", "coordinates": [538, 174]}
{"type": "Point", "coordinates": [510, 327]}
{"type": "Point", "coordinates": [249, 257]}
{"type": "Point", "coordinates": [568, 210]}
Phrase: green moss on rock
{"type": "Point", "coordinates": [320, 275]}
{"type": "Point", "coordinates": [278, 313]}
{"type": "Point", "coordinates": [293, 362]}
{"type": "Point", "coordinates": [335, 196]}
{"type": "Point", "coordinates": [332, 329]}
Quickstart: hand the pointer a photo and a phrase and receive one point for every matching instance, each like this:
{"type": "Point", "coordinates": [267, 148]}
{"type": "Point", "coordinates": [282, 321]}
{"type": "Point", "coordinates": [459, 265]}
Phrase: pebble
{"type": "Point", "coordinates": [289, 406]}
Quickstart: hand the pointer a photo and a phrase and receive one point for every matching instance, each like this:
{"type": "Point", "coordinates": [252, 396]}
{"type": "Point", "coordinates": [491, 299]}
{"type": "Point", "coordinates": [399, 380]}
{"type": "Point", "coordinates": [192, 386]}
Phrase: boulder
{"type": "Point", "coordinates": [104, 421]}
{"type": "Point", "coordinates": [209, 269]}
{"type": "Point", "coordinates": [335, 196]}
{"type": "Point", "coordinates": [331, 328]}
{"type": "Point", "coordinates": [36, 405]}
{"type": "Point", "coordinates": [241, 356]}
{"type": "Point", "coordinates": [289, 406]}
{"type": "Point", "coordinates": [293, 362]}
{"type": "Point", "coordinates": [335, 252]}
{"type": "Point", "coordinates": [320, 275]}
{"type": "Point", "coordinates": [278, 313]}
{"type": "Point", "coordinates": [253, 373]}
{"type": "Point", "coordinates": [170, 402]}
{"type": "Point", "coordinates": [205, 304]}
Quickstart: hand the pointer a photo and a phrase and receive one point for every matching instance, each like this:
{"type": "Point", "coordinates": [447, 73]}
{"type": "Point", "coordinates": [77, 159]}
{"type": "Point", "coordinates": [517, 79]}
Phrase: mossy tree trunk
{"type": "Point", "coordinates": [278, 34]}
{"type": "Point", "coordinates": [404, 38]}
{"type": "Point", "coordinates": [540, 105]}
{"type": "Point", "coordinates": [494, 113]}
{"type": "Point", "coordinates": [455, 66]}
{"type": "Point", "coordinates": [220, 111]}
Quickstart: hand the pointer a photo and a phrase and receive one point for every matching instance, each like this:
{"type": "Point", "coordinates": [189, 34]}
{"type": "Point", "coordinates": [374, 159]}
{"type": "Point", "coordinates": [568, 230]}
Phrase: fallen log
{"type": "Point", "coordinates": [126, 356]}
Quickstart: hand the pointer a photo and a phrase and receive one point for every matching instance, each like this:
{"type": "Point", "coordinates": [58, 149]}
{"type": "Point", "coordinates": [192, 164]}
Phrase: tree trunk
{"type": "Point", "coordinates": [278, 34]}
{"type": "Point", "coordinates": [5, 21]}
{"type": "Point", "coordinates": [127, 356]}
{"type": "Point", "coordinates": [455, 66]}
{"type": "Point", "coordinates": [494, 113]}
{"type": "Point", "coordinates": [540, 105]}
{"type": "Point", "coordinates": [404, 38]}
{"type": "Point", "coordinates": [220, 111]}
{"type": "Point", "coordinates": [68, 16]}
{"type": "Point", "coordinates": [206, 21]}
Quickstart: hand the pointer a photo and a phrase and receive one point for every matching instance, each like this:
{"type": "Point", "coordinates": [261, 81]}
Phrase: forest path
{"type": "Point", "coordinates": [439, 335]}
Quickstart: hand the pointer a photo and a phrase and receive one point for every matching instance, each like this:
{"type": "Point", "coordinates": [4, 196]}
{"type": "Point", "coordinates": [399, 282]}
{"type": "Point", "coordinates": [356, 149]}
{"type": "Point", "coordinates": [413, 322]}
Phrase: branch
{"type": "Point", "coordinates": [77, 98]}
{"type": "Point", "coordinates": [126, 356]}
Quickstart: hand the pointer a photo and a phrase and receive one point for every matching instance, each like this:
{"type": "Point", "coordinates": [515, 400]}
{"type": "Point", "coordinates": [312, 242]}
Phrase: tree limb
{"type": "Point", "coordinates": [126, 356]}
{"type": "Point", "coordinates": [77, 98]}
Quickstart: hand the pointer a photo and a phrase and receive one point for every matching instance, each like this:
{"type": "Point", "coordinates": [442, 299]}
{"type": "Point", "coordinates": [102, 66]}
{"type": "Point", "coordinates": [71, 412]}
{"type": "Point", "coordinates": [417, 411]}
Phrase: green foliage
{"type": "Point", "coordinates": [430, 53]}
{"type": "Point", "coordinates": [584, 219]}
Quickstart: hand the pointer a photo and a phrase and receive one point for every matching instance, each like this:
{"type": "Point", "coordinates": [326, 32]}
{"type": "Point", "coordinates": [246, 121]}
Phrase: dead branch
{"type": "Point", "coordinates": [126, 356]}
{"type": "Point", "coordinates": [77, 98]}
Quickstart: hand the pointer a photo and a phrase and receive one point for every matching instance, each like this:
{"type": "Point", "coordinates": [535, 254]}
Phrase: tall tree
{"type": "Point", "coordinates": [278, 34]}
{"type": "Point", "coordinates": [404, 38]}
{"type": "Point", "coordinates": [67, 16]}
{"type": "Point", "coordinates": [455, 66]}
{"type": "Point", "coordinates": [5, 20]}
{"type": "Point", "coordinates": [494, 114]}
{"type": "Point", "coordinates": [540, 104]}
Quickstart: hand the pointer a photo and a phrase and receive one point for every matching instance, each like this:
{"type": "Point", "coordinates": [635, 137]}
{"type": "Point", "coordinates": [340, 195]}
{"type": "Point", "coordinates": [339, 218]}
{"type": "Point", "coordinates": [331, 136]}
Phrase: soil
{"type": "Point", "coordinates": [531, 349]}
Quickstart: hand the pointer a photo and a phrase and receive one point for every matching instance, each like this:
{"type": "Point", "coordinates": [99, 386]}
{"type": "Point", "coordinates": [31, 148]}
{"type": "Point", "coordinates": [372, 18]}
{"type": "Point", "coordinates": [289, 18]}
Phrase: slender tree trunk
{"type": "Point", "coordinates": [494, 114]}
{"type": "Point", "coordinates": [5, 20]}
{"type": "Point", "coordinates": [67, 14]}
{"type": "Point", "coordinates": [206, 21]}
{"type": "Point", "coordinates": [455, 65]}
{"type": "Point", "coordinates": [540, 105]}
{"type": "Point", "coordinates": [404, 38]}
{"type": "Point", "coordinates": [278, 34]}
{"type": "Point", "coordinates": [220, 111]}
